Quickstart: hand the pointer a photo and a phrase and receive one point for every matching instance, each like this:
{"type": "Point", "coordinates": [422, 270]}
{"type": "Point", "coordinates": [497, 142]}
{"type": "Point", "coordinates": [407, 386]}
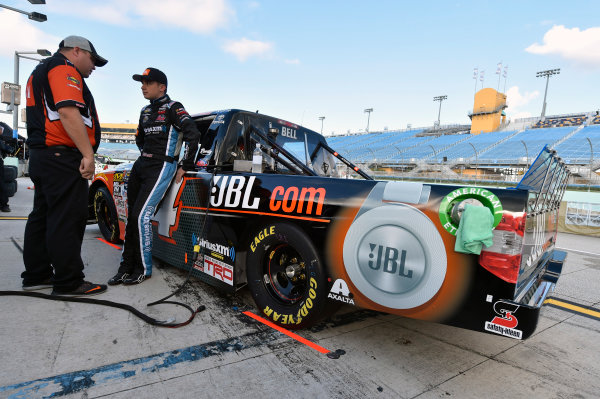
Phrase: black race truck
{"type": "Point", "coordinates": [273, 207]}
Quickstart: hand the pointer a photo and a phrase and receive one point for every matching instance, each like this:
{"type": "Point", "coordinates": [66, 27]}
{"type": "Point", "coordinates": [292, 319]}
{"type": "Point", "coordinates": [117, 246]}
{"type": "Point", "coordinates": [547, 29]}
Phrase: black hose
{"type": "Point", "coordinates": [130, 308]}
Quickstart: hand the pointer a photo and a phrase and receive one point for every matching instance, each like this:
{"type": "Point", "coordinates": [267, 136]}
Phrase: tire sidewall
{"type": "Point", "coordinates": [304, 312]}
{"type": "Point", "coordinates": [109, 232]}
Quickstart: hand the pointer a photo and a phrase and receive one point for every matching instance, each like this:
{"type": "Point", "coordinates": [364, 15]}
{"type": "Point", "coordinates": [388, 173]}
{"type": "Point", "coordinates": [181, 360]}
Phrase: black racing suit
{"type": "Point", "coordinates": [163, 125]}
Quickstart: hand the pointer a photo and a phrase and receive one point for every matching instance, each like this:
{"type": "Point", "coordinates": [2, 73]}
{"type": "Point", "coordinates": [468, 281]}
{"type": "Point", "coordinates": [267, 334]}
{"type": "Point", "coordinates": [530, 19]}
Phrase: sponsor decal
{"type": "Point", "coordinates": [288, 124]}
{"type": "Point", "coordinates": [392, 259]}
{"type": "Point", "coordinates": [288, 318]}
{"type": "Point", "coordinates": [73, 80]}
{"type": "Point", "coordinates": [215, 268]}
{"type": "Point", "coordinates": [75, 87]}
{"type": "Point", "coordinates": [161, 118]}
{"type": "Point", "coordinates": [118, 177]}
{"type": "Point", "coordinates": [218, 248]}
{"type": "Point", "coordinates": [340, 292]}
{"type": "Point", "coordinates": [388, 258]}
{"type": "Point", "coordinates": [292, 199]}
{"type": "Point", "coordinates": [487, 198]}
{"type": "Point", "coordinates": [233, 192]}
{"type": "Point", "coordinates": [153, 129]}
{"type": "Point", "coordinates": [288, 132]}
{"type": "Point", "coordinates": [506, 321]}
{"type": "Point", "coordinates": [236, 192]}
{"type": "Point", "coordinates": [268, 231]}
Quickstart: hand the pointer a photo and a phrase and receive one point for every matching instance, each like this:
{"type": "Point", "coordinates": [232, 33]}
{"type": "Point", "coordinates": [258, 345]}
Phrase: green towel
{"type": "Point", "coordinates": [474, 230]}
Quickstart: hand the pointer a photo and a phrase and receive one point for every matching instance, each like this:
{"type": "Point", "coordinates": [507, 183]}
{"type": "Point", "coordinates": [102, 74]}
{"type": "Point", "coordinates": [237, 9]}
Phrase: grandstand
{"type": "Point", "coordinates": [450, 152]}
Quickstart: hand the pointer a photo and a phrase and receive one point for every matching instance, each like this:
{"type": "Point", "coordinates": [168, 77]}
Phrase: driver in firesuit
{"type": "Point", "coordinates": [163, 125]}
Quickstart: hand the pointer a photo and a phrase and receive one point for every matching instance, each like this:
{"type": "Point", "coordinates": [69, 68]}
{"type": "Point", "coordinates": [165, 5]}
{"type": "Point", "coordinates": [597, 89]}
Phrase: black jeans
{"type": "Point", "coordinates": [55, 228]}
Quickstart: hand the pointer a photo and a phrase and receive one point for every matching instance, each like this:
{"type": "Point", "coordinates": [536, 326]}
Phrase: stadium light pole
{"type": "Point", "coordinates": [440, 99]}
{"type": "Point", "coordinates": [321, 118]}
{"type": "Point", "coordinates": [526, 155]}
{"type": "Point", "coordinates": [546, 74]}
{"type": "Point", "coordinates": [476, 161]}
{"type": "Point", "coordinates": [591, 161]}
{"type": "Point", "coordinates": [368, 111]}
{"type": "Point", "coordinates": [19, 54]}
{"type": "Point", "coordinates": [34, 16]}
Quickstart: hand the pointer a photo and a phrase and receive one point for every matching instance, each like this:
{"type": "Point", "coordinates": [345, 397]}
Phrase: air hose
{"type": "Point", "coordinates": [137, 313]}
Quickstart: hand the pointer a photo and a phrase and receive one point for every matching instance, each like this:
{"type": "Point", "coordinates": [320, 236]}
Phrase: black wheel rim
{"type": "Point", "coordinates": [284, 274]}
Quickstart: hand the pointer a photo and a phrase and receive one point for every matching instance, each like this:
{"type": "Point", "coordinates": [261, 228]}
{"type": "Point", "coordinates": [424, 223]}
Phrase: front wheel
{"type": "Point", "coordinates": [106, 215]}
{"type": "Point", "coordinates": [286, 276]}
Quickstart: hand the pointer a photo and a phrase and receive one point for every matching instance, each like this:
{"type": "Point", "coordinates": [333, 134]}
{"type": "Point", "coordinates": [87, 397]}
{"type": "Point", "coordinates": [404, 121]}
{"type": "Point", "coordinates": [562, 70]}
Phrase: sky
{"type": "Point", "coordinates": [301, 60]}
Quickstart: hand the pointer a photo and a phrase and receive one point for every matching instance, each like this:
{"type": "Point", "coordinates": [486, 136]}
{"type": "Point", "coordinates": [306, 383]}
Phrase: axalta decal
{"type": "Point", "coordinates": [340, 292]}
{"type": "Point", "coordinates": [506, 321]}
{"type": "Point", "coordinates": [215, 268]}
{"type": "Point", "coordinates": [487, 198]}
{"type": "Point", "coordinates": [236, 192]}
{"type": "Point", "coordinates": [306, 307]}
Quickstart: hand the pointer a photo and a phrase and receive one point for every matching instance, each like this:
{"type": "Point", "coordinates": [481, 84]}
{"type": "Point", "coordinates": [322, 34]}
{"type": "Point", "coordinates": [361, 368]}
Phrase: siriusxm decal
{"type": "Point", "coordinates": [218, 248]}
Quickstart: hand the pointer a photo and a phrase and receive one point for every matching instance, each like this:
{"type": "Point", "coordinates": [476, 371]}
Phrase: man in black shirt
{"type": "Point", "coordinates": [163, 125]}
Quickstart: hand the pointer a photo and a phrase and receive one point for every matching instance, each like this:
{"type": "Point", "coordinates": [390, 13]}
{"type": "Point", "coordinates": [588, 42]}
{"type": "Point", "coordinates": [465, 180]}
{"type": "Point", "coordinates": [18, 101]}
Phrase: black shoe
{"type": "Point", "coordinates": [5, 208]}
{"type": "Point", "coordinates": [118, 278]}
{"type": "Point", "coordinates": [37, 286]}
{"type": "Point", "coordinates": [85, 289]}
{"type": "Point", "coordinates": [135, 279]}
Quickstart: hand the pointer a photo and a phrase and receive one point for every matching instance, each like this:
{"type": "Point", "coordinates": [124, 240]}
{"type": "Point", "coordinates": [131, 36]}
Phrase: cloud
{"type": "Point", "coordinates": [580, 46]}
{"type": "Point", "coordinates": [295, 61]}
{"type": "Point", "coordinates": [198, 16]}
{"type": "Point", "coordinates": [246, 48]}
{"type": "Point", "coordinates": [30, 37]}
{"type": "Point", "coordinates": [514, 99]}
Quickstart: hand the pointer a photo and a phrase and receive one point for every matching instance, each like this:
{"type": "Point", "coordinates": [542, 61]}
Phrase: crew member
{"type": "Point", "coordinates": [63, 133]}
{"type": "Point", "coordinates": [5, 149]}
{"type": "Point", "coordinates": [163, 126]}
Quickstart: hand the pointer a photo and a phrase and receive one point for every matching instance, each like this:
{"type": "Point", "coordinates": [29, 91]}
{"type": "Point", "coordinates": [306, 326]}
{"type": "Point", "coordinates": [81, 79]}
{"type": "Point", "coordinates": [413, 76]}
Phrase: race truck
{"type": "Point", "coordinates": [272, 206]}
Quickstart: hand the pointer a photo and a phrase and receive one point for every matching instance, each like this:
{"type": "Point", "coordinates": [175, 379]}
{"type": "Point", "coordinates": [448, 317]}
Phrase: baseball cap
{"type": "Point", "coordinates": [84, 44]}
{"type": "Point", "coordinates": [152, 75]}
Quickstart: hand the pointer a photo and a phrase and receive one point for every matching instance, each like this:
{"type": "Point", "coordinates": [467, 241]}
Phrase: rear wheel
{"type": "Point", "coordinates": [10, 173]}
{"type": "Point", "coordinates": [286, 277]}
{"type": "Point", "coordinates": [106, 215]}
{"type": "Point", "coordinates": [11, 188]}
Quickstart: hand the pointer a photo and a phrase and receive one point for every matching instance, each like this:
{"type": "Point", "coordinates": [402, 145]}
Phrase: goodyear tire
{"type": "Point", "coordinates": [11, 188]}
{"type": "Point", "coordinates": [286, 277]}
{"type": "Point", "coordinates": [106, 215]}
{"type": "Point", "coordinates": [10, 173]}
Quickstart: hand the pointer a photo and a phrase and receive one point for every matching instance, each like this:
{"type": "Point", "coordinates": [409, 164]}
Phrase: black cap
{"type": "Point", "coordinates": [152, 75]}
{"type": "Point", "coordinates": [84, 44]}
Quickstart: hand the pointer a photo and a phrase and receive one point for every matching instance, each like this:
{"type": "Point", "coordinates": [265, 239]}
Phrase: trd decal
{"type": "Point", "coordinates": [506, 321]}
{"type": "Point", "coordinates": [215, 268]}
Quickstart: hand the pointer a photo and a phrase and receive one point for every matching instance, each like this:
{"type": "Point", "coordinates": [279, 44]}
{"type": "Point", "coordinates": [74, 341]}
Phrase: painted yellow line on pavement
{"type": "Point", "coordinates": [574, 308]}
{"type": "Point", "coordinates": [13, 217]}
